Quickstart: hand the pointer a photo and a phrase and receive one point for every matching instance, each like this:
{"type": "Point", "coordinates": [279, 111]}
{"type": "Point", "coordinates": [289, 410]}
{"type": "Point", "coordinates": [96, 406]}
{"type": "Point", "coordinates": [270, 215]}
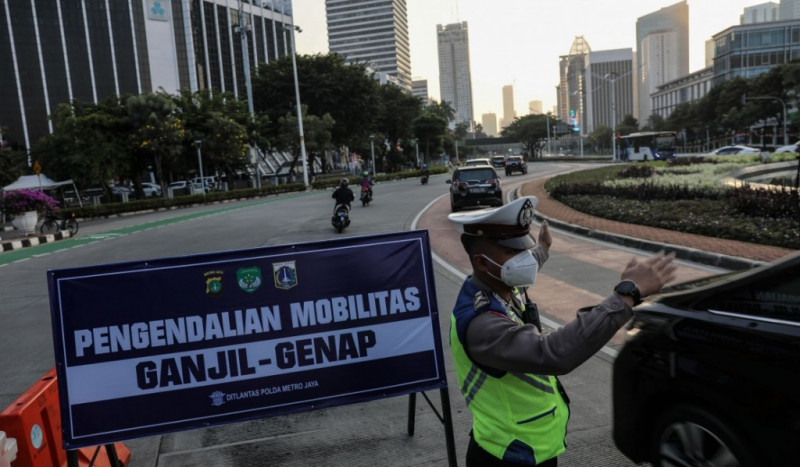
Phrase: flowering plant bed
{"type": "Point", "coordinates": [15, 203]}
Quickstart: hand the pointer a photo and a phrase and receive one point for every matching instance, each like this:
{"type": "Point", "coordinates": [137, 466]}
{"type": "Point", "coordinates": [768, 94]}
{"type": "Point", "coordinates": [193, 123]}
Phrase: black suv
{"type": "Point", "coordinates": [516, 164]}
{"type": "Point", "coordinates": [498, 162]}
{"type": "Point", "coordinates": [709, 376]}
{"type": "Point", "coordinates": [475, 186]}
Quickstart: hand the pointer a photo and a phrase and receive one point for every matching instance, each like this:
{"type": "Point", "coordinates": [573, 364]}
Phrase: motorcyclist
{"type": "Point", "coordinates": [366, 183]}
{"type": "Point", "coordinates": [343, 195]}
{"type": "Point", "coordinates": [424, 172]}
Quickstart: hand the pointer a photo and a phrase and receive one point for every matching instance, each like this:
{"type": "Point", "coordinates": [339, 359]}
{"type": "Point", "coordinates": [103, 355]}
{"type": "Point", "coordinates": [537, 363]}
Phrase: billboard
{"type": "Point", "coordinates": [164, 345]}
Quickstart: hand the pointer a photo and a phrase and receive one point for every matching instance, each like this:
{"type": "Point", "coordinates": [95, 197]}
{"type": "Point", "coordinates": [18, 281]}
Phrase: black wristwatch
{"type": "Point", "coordinates": [629, 289]}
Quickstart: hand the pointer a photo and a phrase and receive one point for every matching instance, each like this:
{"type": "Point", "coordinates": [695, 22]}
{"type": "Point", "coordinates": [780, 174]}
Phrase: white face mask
{"type": "Point", "coordinates": [519, 270]}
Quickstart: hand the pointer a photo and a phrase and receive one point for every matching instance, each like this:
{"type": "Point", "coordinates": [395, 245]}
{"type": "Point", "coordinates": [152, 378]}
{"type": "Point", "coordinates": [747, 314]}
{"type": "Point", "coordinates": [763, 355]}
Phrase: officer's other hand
{"type": "Point", "coordinates": [544, 235]}
{"type": "Point", "coordinates": [651, 274]}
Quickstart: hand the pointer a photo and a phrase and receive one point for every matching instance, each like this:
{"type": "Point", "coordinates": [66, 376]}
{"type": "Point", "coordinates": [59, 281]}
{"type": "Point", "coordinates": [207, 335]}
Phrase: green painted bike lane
{"type": "Point", "coordinates": [74, 242]}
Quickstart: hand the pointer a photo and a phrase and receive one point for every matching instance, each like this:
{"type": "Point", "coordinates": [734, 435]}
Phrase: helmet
{"type": "Point", "coordinates": [343, 182]}
{"type": "Point", "coordinates": [424, 166]}
{"type": "Point", "coordinates": [366, 173]}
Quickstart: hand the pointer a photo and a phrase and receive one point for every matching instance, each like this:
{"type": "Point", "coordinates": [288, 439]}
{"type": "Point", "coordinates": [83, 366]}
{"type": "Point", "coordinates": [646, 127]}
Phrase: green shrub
{"type": "Point", "coordinates": [766, 203]}
{"type": "Point", "coordinates": [638, 171]}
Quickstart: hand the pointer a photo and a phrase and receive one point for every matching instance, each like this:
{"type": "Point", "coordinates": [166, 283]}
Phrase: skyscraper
{"type": "Point", "coordinates": [508, 106]}
{"type": "Point", "coordinates": [489, 123]}
{"type": "Point", "coordinates": [455, 82]}
{"type": "Point", "coordinates": [571, 89]}
{"type": "Point", "coordinates": [609, 83]}
{"type": "Point", "coordinates": [789, 9]}
{"type": "Point", "coordinates": [374, 32]}
{"type": "Point", "coordinates": [419, 88]}
{"type": "Point", "coordinates": [57, 51]}
{"type": "Point", "coordinates": [662, 52]}
{"type": "Point", "coordinates": [535, 106]}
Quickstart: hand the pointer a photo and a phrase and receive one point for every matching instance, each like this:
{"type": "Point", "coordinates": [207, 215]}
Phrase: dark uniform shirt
{"type": "Point", "coordinates": [498, 342]}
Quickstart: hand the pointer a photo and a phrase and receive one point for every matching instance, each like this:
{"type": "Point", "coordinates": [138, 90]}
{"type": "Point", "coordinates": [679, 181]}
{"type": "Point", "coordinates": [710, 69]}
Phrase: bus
{"type": "Point", "coordinates": [647, 146]}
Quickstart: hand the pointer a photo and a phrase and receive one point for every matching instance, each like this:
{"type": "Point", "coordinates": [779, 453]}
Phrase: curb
{"type": "Point", "coordinates": [26, 242]}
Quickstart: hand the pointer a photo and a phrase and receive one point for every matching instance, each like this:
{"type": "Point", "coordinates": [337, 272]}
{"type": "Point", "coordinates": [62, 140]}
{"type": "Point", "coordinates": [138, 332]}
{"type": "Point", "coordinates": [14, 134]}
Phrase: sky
{"type": "Point", "coordinates": [519, 42]}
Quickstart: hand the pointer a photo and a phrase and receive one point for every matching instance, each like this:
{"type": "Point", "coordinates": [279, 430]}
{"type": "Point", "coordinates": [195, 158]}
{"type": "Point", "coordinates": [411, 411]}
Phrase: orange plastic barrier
{"type": "Point", "coordinates": [34, 419]}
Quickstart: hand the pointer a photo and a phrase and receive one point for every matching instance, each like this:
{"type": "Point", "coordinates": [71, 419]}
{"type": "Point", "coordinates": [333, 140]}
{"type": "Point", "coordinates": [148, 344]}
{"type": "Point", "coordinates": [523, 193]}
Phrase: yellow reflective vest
{"type": "Point", "coordinates": [518, 417]}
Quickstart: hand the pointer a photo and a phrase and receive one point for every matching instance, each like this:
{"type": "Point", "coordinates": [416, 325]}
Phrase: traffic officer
{"type": "Point", "coordinates": [506, 366]}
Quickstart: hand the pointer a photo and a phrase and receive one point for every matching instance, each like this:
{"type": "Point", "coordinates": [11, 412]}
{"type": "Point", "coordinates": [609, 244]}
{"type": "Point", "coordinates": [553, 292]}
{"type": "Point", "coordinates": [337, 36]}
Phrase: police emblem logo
{"type": "Point", "coordinates": [217, 398]}
{"type": "Point", "coordinates": [213, 283]}
{"type": "Point", "coordinates": [285, 274]}
{"type": "Point", "coordinates": [525, 217]}
{"type": "Point", "coordinates": [249, 279]}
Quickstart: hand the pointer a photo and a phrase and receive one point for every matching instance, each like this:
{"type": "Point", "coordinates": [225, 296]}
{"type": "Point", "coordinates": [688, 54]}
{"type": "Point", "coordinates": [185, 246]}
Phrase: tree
{"type": "Point", "coordinates": [530, 130]}
{"type": "Point", "coordinates": [430, 128]}
{"type": "Point", "coordinates": [13, 164]}
{"type": "Point", "coordinates": [601, 138]}
{"type": "Point", "coordinates": [479, 133]}
{"type": "Point", "coordinates": [218, 120]}
{"type": "Point", "coordinates": [395, 121]}
{"type": "Point", "coordinates": [442, 109]}
{"type": "Point", "coordinates": [156, 132]}
{"type": "Point", "coordinates": [316, 132]}
{"type": "Point", "coordinates": [327, 86]}
{"type": "Point", "coordinates": [628, 125]}
{"type": "Point", "coordinates": [88, 144]}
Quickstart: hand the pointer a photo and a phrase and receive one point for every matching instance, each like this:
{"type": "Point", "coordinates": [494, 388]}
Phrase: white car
{"type": "Point", "coordinates": [735, 149]}
{"type": "Point", "coordinates": [481, 161]}
{"type": "Point", "coordinates": [789, 148]}
{"type": "Point", "coordinates": [151, 189]}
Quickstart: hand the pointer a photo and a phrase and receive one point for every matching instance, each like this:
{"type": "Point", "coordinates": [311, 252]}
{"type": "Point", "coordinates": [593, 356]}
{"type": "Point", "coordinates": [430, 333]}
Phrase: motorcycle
{"type": "Point", "coordinates": [341, 218]}
{"type": "Point", "coordinates": [366, 195]}
{"type": "Point", "coordinates": [424, 179]}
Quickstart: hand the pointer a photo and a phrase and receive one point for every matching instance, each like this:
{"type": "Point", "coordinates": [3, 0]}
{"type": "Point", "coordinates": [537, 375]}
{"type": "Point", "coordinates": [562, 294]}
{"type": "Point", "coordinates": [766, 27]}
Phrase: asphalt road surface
{"type": "Point", "coordinates": [580, 272]}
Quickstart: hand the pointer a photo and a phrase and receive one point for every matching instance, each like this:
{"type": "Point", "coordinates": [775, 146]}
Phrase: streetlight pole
{"type": "Point", "coordinates": [416, 147]}
{"type": "Point", "coordinates": [198, 143]}
{"type": "Point", "coordinates": [372, 151]}
{"type": "Point", "coordinates": [613, 121]}
{"type": "Point", "coordinates": [299, 110]}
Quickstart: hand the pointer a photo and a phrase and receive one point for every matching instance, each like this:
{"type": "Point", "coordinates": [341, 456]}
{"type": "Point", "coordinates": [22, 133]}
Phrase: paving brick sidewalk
{"type": "Point", "coordinates": [585, 223]}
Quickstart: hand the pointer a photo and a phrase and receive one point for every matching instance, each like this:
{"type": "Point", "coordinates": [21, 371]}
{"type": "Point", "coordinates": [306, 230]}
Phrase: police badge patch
{"type": "Point", "coordinates": [285, 275]}
{"type": "Point", "coordinates": [249, 279]}
{"type": "Point", "coordinates": [217, 398]}
{"type": "Point", "coordinates": [213, 283]}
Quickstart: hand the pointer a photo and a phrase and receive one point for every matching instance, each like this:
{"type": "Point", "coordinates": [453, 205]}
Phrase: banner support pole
{"type": "Point", "coordinates": [446, 418]}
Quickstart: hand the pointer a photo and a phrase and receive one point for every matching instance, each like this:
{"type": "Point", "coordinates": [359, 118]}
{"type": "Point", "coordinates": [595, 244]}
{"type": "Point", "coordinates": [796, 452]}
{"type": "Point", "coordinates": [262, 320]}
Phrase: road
{"type": "Point", "coordinates": [580, 272]}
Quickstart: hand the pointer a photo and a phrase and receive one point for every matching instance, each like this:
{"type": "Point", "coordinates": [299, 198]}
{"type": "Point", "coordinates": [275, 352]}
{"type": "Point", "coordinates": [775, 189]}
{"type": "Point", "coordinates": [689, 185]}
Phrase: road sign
{"type": "Point", "coordinates": [37, 168]}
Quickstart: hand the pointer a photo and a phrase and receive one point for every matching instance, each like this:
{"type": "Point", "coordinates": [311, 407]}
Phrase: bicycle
{"type": "Point", "coordinates": [53, 223]}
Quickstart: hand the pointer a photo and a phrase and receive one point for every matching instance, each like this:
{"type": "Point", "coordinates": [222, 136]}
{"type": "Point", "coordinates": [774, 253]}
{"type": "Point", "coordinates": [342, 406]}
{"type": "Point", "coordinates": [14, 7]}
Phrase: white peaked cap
{"type": "Point", "coordinates": [509, 225]}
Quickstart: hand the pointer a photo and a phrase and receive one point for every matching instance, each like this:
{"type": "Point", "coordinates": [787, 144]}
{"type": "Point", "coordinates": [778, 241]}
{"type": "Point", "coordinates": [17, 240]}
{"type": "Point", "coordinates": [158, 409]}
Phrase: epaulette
{"type": "Point", "coordinates": [480, 302]}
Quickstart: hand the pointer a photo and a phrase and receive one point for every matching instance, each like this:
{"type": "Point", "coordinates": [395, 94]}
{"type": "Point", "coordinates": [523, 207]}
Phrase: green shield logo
{"type": "Point", "coordinates": [249, 279]}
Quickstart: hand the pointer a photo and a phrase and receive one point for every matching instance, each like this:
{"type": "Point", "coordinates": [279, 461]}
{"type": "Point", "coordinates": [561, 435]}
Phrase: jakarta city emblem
{"type": "Point", "coordinates": [285, 274]}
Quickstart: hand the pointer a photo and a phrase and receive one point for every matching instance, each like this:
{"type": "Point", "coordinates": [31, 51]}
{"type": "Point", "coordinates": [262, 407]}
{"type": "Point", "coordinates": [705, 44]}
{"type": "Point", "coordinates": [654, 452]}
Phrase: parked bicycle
{"type": "Point", "coordinates": [53, 223]}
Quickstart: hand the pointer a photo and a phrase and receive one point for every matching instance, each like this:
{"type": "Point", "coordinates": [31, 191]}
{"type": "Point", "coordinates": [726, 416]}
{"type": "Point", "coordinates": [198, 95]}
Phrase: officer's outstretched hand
{"type": "Point", "coordinates": [651, 274]}
{"type": "Point", "coordinates": [544, 235]}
